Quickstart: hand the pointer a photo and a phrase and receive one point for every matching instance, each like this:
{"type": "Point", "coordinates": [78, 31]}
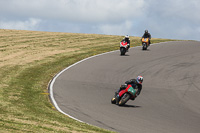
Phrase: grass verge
{"type": "Point", "coordinates": [28, 61]}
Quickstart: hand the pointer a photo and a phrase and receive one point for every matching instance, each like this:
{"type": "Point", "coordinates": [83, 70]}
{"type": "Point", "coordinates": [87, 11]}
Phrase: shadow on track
{"type": "Point", "coordinates": [130, 106]}
{"type": "Point", "coordinates": [125, 55]}
{"type": "Point", "coordinates": [146, 50]}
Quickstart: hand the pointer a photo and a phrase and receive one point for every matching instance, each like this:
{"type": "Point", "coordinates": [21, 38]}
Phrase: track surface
{"type": "Point", "coordinates": [169, 101]}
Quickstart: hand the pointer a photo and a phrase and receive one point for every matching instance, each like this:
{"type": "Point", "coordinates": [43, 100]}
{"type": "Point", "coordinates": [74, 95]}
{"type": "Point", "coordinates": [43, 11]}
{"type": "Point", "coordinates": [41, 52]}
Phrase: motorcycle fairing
{"type": "Point", "coordinates": [132, 91]}
{"type": "Point", "coordinates": [123, 43]}
{"type": "Point", "coordinates": [128, 89]}
{"type": "Point", "coordinates": [145, 40]}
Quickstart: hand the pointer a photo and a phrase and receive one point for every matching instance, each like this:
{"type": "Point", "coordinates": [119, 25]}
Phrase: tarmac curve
{"type": "Point", "coordinates": [169, 101]}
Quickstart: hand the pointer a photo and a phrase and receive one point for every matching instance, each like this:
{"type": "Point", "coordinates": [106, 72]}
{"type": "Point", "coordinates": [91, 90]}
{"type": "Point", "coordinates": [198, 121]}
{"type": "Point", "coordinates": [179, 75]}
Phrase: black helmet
{"type": "Point", "coordinates": [146, 31]}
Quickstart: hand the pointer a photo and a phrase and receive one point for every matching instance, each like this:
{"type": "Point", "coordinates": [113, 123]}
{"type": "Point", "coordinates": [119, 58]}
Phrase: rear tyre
{"type": "Point", "coordinates": [124, 99]}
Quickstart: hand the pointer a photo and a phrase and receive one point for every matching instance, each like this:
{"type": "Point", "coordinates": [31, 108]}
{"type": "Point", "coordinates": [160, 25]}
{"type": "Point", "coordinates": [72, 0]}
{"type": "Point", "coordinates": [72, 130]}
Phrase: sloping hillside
{"type": "Point", "coordinates": [28, 61]}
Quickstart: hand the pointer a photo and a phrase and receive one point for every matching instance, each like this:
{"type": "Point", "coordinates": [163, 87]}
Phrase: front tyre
{"type": "Point", "coordinates": [124, 99]}
{"type": "Point", "coordinates": [123, 51]}
{"type": "Point", "coordinates": [113, 100]}
{"type": "Point", "coordinates": [144, 46]}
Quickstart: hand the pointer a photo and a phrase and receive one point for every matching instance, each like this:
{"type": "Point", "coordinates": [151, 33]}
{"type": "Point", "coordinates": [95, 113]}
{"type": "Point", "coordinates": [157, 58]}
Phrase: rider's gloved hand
{"type": "Point", "coordinates": [124, 86]}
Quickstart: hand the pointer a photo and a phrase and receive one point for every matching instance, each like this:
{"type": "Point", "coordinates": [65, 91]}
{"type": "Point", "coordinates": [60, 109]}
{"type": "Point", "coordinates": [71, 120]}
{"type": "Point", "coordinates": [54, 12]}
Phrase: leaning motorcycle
{"type": "Point", "coordinates": [145, 43]}
{"type": "Point", "coordinates": [124, 95]}
{"type": "Point", "coordinates": [123, 47]}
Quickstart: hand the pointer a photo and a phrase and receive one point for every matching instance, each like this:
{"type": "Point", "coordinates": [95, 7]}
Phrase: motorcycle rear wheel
{"type": "Point", "coordinates": [124, 99]}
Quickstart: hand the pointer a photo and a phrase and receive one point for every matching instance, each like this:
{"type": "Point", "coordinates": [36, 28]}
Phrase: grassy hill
{"type": "Point", "coordinates": [28, 61]}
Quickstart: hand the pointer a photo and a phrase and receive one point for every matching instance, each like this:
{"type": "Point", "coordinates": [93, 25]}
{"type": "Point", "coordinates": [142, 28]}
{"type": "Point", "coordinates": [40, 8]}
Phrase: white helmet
{"type": "Point", "coordinates": [139, 79]}
{"type": "Point", "coordinates": [127, 36]}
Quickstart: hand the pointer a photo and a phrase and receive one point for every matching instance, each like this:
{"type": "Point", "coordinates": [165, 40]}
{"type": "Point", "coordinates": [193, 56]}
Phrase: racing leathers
{"type": "Point", "coordinates": [147, 35]}
{"type": "Point", "coordinates": [127, 40]}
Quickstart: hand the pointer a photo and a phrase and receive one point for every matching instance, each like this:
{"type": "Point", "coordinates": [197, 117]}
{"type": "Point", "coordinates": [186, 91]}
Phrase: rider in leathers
{"type": "Point", "coordinates": [147, 35]}
{"type": "Point", "coordinates": [135, 83]}
{"type": "Point", "coordinates": [126, 39]}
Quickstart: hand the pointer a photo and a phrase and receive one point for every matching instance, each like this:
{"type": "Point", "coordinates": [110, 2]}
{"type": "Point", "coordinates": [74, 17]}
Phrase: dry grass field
{"type": "Point", "coordinates": [28, 61]}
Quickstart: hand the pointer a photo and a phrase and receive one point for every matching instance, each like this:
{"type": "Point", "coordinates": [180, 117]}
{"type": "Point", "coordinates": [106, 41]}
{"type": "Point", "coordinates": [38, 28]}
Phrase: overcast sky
{"type": "Point", "coordinates": [174, 19]}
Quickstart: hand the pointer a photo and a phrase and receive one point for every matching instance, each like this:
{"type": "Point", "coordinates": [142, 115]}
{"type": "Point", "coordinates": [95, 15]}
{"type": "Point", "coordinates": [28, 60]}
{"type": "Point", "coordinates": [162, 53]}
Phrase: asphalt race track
{"type": "Point", "coordinates": [168, 103]}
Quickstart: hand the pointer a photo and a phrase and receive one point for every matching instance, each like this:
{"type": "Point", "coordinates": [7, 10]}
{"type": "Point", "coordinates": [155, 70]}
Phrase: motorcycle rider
{"type": "Point", "coordinates": [126, 39]}
{"type": "Point", "coordinates": [135, 83]}
{"type": "Point", "coordinates": [147, 35]}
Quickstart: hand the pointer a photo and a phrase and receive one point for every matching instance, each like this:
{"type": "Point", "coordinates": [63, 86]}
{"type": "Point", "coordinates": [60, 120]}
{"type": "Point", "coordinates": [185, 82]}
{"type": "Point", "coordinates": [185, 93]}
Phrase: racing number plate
{"type": "Point", "coordinates": [132, 91]}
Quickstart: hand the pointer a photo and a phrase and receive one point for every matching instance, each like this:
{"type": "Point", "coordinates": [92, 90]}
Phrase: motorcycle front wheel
{"type": "Point", "coordinates": [113, 101]}
{"type": "Point", "coordinates": [123, 51]}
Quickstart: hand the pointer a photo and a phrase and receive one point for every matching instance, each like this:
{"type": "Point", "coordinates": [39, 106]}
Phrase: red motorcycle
{"type": "Point", "coordinates": [123, 47]}
{"type": "Point", "coordinates": [125, 95]}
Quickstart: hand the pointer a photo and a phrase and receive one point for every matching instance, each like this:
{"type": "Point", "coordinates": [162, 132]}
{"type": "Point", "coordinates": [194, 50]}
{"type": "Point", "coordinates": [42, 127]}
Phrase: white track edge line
{"type": "Point", "coordinates": [57, 75]}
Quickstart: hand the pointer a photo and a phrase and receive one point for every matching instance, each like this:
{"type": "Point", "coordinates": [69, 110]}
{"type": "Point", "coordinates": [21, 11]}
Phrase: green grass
{"type": "Point", "coordinates": [28, 61]}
